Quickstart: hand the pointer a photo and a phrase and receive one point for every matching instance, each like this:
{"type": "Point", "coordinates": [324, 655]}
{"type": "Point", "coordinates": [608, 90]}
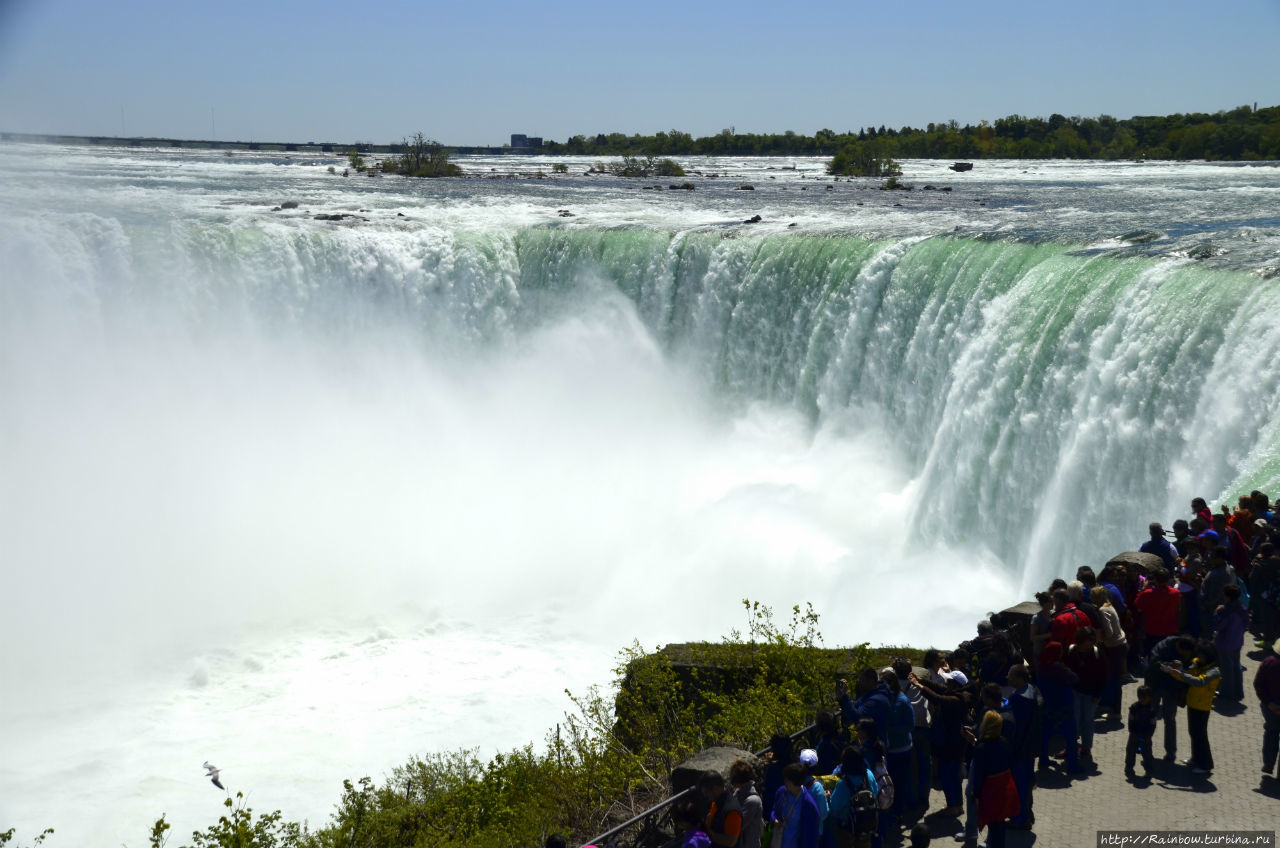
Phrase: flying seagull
{"type": "Point", "coordinates": [213, 772]}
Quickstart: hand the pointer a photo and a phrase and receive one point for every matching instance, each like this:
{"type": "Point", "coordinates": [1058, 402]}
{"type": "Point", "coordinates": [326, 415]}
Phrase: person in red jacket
{"type": "Point", "coordinates": [1067, 619]}
{"type": "Point", "coordinates": [1158, 609]}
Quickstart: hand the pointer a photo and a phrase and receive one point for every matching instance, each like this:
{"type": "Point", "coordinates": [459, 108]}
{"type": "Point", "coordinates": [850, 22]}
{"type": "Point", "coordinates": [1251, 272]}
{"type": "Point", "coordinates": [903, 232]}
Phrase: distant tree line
{"type": "Point", "coordinates": [1242, 133]}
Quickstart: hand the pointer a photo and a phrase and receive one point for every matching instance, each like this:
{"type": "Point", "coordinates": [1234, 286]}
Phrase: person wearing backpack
{"type": "Point", "coordinates": [853, 806]}
{"type": "Point", "coordinates": [877, 760]}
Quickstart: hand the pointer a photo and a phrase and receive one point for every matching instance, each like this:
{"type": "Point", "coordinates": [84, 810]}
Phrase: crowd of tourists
{"type": "Point", "coordinates": [980, 722]}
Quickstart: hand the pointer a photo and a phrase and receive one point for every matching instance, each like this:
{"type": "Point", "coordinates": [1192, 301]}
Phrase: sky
{"type": "Point", "coordinates": [474, 73]}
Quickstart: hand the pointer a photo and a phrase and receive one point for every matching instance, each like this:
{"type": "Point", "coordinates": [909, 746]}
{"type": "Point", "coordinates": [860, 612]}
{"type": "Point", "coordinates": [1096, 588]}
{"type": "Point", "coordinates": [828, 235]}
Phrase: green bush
{"type": "Point", "coordinates": [863, 159]}
{"type": "Point", "coordinates": [646, 166]}
{"type": "Point", "coordinates": [424, 157]}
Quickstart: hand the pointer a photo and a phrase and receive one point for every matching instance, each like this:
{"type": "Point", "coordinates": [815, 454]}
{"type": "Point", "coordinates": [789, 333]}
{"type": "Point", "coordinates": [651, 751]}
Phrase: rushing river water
{"type": "Point", "coordinates": [303, 497]}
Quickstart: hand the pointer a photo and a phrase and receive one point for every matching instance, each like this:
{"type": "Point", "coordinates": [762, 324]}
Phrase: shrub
{"type": "Point", "coordinates": [424, 157]}
{"type": "Point", "coordinates": [560, 168]}
{"type": "Point", "coordinates": [636, 166]}
{"type": "Point", "coordinates": [863, 159]}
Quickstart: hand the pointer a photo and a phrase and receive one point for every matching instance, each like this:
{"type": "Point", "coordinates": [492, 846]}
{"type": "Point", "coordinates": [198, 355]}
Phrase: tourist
{"type": "Point", "coordinates": [853, 806]}
{"type": "Point", "coordinates": [828, 741]}
{"type": "Point", "coordinates": [1230, 539]}
{"type": "Point", "coordinates": [794, 811]}
{"type": "Point", "coordinates": [936, 665]}
{"type": "Point", "coordinates": [1241, 520]}
{"type": "Point", "coordinates": [1056, 685]}
{"type": "Point", "coordinates": [724, 818]}
{"type": "Point", "coordinates": [1159, 545]}
{"type": "Point", "coordinates": [921, 752]}
{"type": "Point", "coordinates": [873, 701]}
{"type": "Point", "coordinates": [1202, 677]}
{"type": "Point", "coordinates": [1024, 704]}
{"type": "Point", "coordinates": [1142, 727]}
{"type": "Point", "coordinates": [1076, 592]}
{"type": "Point", "coordinates": [1115, 647]}
{"type": "Point", "coordinates": [780, 756]}
{"type": "Point", "coordinates": [689, 832]}
{"type": "Point", "coordinates": [1220, 575]}
{"type": "Point", "coordinates": [1229, 623]}
{"type": "Point", "coordinates": [743, 779]}
{"type": "Point", "coordinates": [1086, 660]}
{"type": "Point", "coordinates": [1157, 608]}
{"type": "Point", "coordinates": [991, 700]}
{"type": "Point", "coordinates": [1264, 581]}
{"type": "Point", "coordinates": [899, 753]}
{"type": "Point", "coordinates": [1266, 683]}
{"type": "Point", "coordinates": [1067, 618]}
{"type": "Point", "coordinates": [948, 706]}
{"type": "Point", "coordinates": [1041, 625]}
{"type": "Point", "coordinates": [1181, 534]}
{"type": "Point", "coordinates": [1166, 691]}
{"type": "Point", "coordinates": [809, 759]}
{"type": "Point", "coordinates": [991, 780]}
{"type": "Point", "coordinates": [874, 752]}
{"type": "Point", "coordinates": [1200, 509]}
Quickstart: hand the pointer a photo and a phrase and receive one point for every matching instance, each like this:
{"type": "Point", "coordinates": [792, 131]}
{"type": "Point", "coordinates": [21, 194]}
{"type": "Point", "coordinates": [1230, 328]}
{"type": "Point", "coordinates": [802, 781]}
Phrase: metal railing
{"type": "Point", "coordinates": [650, 817]}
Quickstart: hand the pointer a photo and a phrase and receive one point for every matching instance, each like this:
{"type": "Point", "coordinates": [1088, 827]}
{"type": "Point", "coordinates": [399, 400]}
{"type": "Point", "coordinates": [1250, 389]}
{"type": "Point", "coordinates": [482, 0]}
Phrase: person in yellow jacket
{"type": "Point", "coordinates": [1202, 677]}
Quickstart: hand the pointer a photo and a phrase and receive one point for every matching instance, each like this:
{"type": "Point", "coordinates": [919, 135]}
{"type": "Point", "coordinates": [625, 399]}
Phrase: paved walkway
{"type": "Point", "coordinates": [1070, 812]}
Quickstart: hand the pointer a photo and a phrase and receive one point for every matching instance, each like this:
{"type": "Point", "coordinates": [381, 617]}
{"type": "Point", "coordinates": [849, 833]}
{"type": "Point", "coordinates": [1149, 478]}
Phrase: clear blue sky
{"type": "Point", "coordinates": [473, 73]}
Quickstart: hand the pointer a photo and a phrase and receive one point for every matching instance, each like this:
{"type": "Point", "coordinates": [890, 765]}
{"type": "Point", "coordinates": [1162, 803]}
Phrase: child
{"type": "Point", "coordinates": [1142, 726]}
{"type": "Point", "coordinates": [689, 829]}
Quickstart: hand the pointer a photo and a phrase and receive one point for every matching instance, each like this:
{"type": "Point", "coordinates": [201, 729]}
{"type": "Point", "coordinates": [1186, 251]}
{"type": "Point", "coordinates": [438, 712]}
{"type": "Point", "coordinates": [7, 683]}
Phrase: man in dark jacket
{"type": "Point", "coordinates": [874, 701]}
{"type": "Point", "coordinates": [1024, 703]}
{"type": "Point", "coordinates": [1267, 684]}
{"type": "Point", "coordinates": [1167, 692]}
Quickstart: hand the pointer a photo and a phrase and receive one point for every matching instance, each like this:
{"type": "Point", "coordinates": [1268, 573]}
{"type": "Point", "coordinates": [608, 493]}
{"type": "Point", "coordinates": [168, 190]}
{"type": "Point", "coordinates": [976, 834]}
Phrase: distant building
{"type": "Point", "coordinates": [525, 142]}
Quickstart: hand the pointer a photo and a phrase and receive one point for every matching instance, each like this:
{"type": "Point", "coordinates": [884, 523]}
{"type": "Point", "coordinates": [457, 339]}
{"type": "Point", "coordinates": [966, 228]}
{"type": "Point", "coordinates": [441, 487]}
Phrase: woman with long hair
{"type": "Point", "coordinates": [991, 779]}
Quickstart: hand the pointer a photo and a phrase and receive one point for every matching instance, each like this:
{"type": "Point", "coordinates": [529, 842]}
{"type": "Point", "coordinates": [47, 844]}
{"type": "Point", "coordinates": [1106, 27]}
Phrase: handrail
{"type": "Point", "coordinates": [659, 807]}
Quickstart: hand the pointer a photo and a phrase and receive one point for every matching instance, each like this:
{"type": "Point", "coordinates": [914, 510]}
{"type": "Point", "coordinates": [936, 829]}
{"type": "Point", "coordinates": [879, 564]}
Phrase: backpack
{"type": "Point", "coordinates": [863, 814]}
{"type": "Point", "coordinates": [884, 784]}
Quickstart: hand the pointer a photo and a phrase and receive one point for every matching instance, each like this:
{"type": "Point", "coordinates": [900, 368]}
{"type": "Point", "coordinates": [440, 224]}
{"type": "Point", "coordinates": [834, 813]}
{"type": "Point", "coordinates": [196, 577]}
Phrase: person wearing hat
{"type": "Point", "coordinates": [1159, 545]}
{"type": "Point", "coordinates": [1266, 683]}
{"type": "Point", "coordinates": [809, 759]}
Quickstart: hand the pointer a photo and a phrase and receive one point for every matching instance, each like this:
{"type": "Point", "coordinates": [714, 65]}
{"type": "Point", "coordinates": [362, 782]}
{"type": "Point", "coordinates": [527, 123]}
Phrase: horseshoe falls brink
{"type": "Point", "coordinates": [303, 497]}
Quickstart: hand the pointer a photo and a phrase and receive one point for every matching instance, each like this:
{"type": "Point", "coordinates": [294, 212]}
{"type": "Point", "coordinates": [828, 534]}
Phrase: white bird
{"type": "Point", "coordinates": [213, 772]}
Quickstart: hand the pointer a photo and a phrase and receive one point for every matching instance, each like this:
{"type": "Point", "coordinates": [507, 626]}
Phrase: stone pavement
{"type": "Point", "coordinates": [1070, 812]}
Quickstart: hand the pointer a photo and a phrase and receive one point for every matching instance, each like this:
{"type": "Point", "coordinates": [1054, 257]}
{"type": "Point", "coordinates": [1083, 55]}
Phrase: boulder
{"type": "Point", "coordinates": [682, 187]}
{"type": "Point", "coordinates": [754, 219]}
{"type": "Point", "coordinates": [962, 166]}
{"type": "Point", "coordinates": [746, 187]}
{"type": "Point", "coordinates": [1148, 563]}
{"type": "Point", "coordinates": [289, 204]}
{"type": "Point", "coordinates": [712, 759]}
